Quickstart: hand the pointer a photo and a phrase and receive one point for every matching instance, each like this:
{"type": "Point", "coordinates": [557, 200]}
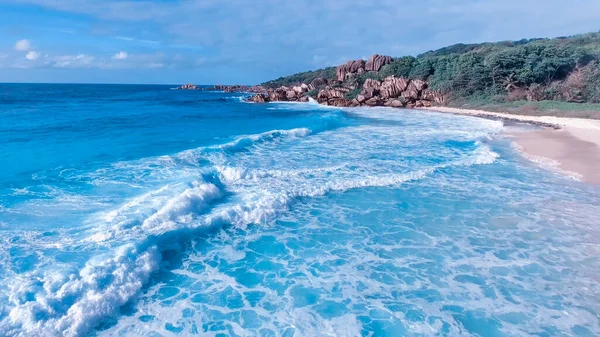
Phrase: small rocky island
{"type": "Point", "coordinates": [391, 91]}
{"type": "Point", "coordinates": [188, 86]}
{"type": "Point", "coordinates": [225, 88]}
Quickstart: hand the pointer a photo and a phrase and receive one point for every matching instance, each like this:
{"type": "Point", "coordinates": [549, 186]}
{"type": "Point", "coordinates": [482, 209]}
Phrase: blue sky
{"type": "Point", "coordinates": [250, 41]}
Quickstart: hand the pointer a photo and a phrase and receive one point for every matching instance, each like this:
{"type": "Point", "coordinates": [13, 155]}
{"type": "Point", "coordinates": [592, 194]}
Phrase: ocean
{"type": "Point", "coordinates": [130, 210]}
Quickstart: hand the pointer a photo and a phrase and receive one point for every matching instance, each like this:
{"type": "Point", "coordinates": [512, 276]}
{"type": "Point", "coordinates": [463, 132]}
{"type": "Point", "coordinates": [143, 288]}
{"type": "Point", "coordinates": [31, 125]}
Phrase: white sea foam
{"type": "Point", "coordinates": [264, 175]}
{"type": "Point", "coordinates": [311, 105]}
{"type": "Point", "coordinates": [243, 142]}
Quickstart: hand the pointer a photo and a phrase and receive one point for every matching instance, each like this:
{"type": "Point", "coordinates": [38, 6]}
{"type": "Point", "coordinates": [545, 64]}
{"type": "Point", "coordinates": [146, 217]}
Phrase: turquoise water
{"type": "Point", "coordinates": [144, 211]}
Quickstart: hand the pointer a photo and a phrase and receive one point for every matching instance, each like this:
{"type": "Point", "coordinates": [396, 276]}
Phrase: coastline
{"type": "Point", "coordinates": [570, 144]}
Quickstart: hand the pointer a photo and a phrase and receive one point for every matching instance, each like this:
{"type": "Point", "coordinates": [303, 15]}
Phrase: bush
{"type": "Point", "coordinates": [350, 95]}
{"type": "Point", "coordinates": [560, 69]}
{"type": "Point", "coordinates": [305, 77]}
{"type": "Point", "coordinates": [359, 80]}
{"type": "Point", "coordinates": [313, 93]}
{"type": "Point", "coordinates": [400, 67]}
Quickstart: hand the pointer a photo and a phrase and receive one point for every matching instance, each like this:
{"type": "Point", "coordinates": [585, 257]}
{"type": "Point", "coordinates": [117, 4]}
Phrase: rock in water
{"type": "Point", "coordinates": [291, 95]}
{"type": "Point", "coordinates": [373, 101]}
{"type": "Point", "coordinates": [258, 98]}
{"type": "Point", "coordinates": [396, 103]}
{"type": "Point", "coordinates": [278, 95]}
{"type": "Point", "coordinates": [339, 102]}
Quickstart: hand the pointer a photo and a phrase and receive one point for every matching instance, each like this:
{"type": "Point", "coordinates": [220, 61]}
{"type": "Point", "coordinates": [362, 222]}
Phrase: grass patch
{"type": "Point", "coordinates": [541, 108]}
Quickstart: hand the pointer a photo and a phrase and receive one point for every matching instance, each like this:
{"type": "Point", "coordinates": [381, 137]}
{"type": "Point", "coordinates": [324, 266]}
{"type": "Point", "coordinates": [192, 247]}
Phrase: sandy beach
{"type": "Point", "coordinates": [571, 144]}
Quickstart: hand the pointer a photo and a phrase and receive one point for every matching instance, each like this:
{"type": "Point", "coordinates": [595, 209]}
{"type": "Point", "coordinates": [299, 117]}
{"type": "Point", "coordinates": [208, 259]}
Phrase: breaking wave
{"type": "Point", "coordinates": [250, 180]}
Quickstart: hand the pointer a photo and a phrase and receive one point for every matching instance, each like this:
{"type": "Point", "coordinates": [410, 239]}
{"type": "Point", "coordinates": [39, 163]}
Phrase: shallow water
{"type": "Point", "coordinates": [143, 211]}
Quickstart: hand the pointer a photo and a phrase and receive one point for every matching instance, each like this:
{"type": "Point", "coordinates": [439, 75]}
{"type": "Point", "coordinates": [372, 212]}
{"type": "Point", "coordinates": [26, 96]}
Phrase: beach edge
{"type": "Point", "coordinates": [572, 145]}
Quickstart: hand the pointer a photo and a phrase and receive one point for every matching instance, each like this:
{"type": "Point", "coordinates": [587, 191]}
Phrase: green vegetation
{"type": "Point", "coordinates": [553, 108]}
{"type": "Point", "coordinates": [312, 93]}
{"type": "Point", "coordinates": [350, 95]}
{"type": "Point", "coordinates": [305, 77]}
{"type": "Point", "coordinates": [565, 69]}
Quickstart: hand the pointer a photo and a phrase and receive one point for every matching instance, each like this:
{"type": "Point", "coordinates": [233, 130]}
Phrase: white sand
{"type": "Point", "coordinates": [575, 147]}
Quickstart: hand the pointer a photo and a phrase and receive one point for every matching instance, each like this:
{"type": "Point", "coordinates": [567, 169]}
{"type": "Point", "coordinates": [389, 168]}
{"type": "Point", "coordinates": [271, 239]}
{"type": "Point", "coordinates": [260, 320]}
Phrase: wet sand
{"type": "Point", "coordinates": [571, 144]}
{"type": "Point", "coordinates": [569, 153]}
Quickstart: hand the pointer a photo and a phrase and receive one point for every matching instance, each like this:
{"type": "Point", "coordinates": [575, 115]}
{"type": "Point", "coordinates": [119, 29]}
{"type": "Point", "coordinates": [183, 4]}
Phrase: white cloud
{"type": "Point", "coordinates": [120, 56]}
{"type": "Point", "coordinates": [155, 65]}
{"type": "Point", "coordinates": [127, 38]}
{"type": "Point", "coordinates": [32, 55]}
{"type": "Point", "coordinates": [74, 61]}
{"type": "Point", "coordinates": [23, 45]}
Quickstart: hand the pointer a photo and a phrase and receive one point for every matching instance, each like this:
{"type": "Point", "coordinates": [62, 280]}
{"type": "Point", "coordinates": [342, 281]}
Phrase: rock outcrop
{"type": "Point", "coordinates": [392, 87]}
{"type": "Point", "coordinates": [333, 96]}
{"type": "Point", "coordinates": [298, 93]}
{"type": "Point", "coordinates": [391, 91]}
{"type": "Point", "coordinates": [188, 86]}
{"type": "Point", "coordinates": [258, 98]}
{"type": "Point", "coordinates": [237, 88]}
{"type": "Point", "coordinates": [319, 82]}
{"type": "Point", "coordinates": [351, 67]}
{"type": "Point", "coordinates": [376, 62]}
{"type": "Point", "coordinates": [360, 66]}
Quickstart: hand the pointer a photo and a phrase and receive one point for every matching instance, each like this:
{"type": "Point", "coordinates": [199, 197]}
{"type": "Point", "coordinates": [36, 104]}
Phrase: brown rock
{"type": "Point", "coordinates": [373, 101]}
{"type": "Point", "coordinates": [418, 85]}
{"type": "Point", "coordinates": [392, 87]}
{"type": "Point", "coordinates": [361, 98]}
{"type": "Point", "coordinates": [257, 89]}
{"type": "Point", "coordinates": [230, 88]}
{"type": "Point", "coordinates": [433, 96]}
{"type": "Point", "coordinates": [376, 62]}
{"type": "Point", "coordinates": [396, 103]}
{"type": "Point", "coordinates": [356, 66]}
{"type": "Point", "coordinates": [419, 104]}
{"type": "Point", "coordinates": [330, 93]}
{"type": "Point", "coordinates": [318, 82]}
{"type": "Point", "coordinates": [370, 92]}
{"type": "Point", "coordinates": [354, 103]}
{"type": "Point", "coordinates": [427, 104]}
{"type": "Point", "coordinates": [299, 89]}
{"type": "Point", "coordinates": [351, 67]}
{"type": "Point", "coordinates": [303, 99]}
{"type": "Point", "coordinates": [411, 94]}
{"type": "Point", "coordinates": [428, 95]}
{"type": "Point", "coordinates": [291, 95]}
{"type": "Point", "coordinates": [258, 98]}
{"type": "Point", "coordinates": [371, 83]}
{"type": "Point", "coordinates": [191, 86]}
{"type": "Point", "coordinates": [278, 95]}
{"type": "Point", "coordinates": [339, 102]}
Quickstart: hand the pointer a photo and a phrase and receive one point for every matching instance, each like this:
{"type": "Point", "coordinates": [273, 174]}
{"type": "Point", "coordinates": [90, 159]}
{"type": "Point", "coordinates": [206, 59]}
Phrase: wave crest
{"type": "Point", "coordinates": [73, 303]}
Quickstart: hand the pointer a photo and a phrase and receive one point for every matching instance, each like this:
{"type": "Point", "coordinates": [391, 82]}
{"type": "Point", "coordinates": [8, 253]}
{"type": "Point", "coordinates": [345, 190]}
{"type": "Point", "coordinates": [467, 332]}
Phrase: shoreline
{"type": "Point", "coordinates": [572, 145]}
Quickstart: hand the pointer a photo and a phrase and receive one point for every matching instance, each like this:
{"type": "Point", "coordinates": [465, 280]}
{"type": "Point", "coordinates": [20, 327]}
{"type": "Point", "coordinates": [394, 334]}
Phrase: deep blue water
{"type": "Point", "coordinates": [144, 211]}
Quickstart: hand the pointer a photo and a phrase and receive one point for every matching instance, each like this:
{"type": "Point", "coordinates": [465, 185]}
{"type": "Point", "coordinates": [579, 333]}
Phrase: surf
{"type": "Point", "coordinates": [143, 228]}
{"type": "Point", "coordinates": [289, 194]}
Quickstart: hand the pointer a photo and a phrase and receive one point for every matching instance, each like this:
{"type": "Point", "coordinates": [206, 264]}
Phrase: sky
{"type": "Point", "coordinates": [251, 41]}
